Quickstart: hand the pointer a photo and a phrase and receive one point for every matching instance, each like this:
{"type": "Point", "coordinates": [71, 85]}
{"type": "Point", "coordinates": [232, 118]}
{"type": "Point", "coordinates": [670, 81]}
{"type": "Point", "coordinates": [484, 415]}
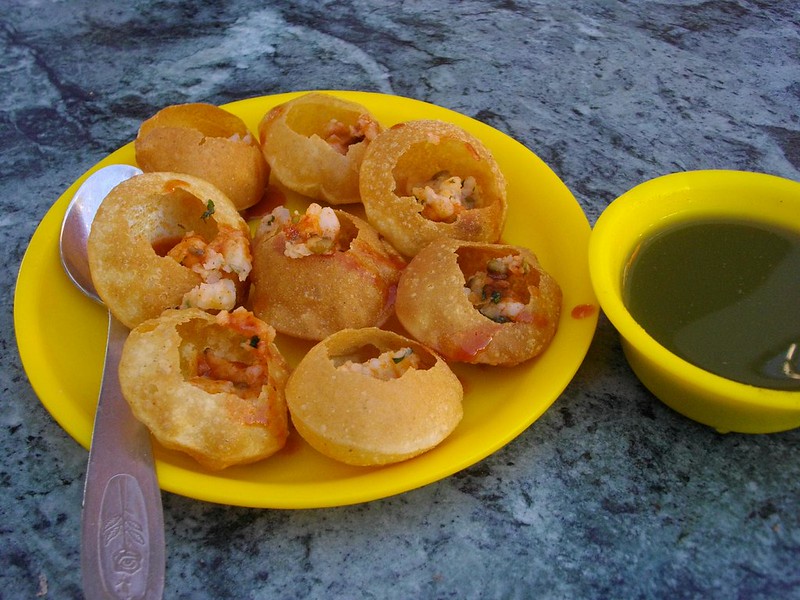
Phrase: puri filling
{"type": "Point", "coordinates": [318, 231]}
{"type": "Point", "coordinates": [500, 291]}
{"type": "Point", "coordinates": [219, 254]}
{"type": "Point", "coordinates": [384, 365]}
{"type": "Point", "coordinates": [228, 356]}
{"type": "Point", "coordinates": [445, 196]}
{"type": "Point", "coordinates": [340, 136]}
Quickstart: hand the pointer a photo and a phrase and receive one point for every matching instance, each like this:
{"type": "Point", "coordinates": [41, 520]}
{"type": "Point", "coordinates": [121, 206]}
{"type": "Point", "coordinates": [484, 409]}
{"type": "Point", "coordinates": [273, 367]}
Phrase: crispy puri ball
{"type": "Point", "coordinates": [373, 397]}
{"type": "Point", "coordinates": [479, 303]}
{"type": "Point", "coordinates": [425, 179]}
{"type": "Point", "coordinates": [210, 386]}
{"type": "Point", "coordinates": [314, 145]}
{"type": "Point", "coordinates": [208, 142]}
{"type": "Point", "coordinates": [165, 240]}
{"type": "Point", "coordinates": [320, 272]}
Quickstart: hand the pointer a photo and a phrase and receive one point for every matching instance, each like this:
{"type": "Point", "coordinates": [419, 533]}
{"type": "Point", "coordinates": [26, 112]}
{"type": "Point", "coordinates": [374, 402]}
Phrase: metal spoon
{"type": "Point", "coordinates": [122, 537]}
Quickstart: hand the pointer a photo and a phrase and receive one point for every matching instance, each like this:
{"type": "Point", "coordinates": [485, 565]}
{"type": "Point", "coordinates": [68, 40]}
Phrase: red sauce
{"type": "Point", "coordinates": [372, 258]}
{"type": "Point", "coordinates": [466, 346]}
{"type": "Point", "coordinates": [582, 311]}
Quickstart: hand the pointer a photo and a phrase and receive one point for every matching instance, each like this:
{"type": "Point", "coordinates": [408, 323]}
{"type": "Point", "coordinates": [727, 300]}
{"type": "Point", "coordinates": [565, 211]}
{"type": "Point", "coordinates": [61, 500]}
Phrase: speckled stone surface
{"type": "Point", "coordinates": [610, 494]}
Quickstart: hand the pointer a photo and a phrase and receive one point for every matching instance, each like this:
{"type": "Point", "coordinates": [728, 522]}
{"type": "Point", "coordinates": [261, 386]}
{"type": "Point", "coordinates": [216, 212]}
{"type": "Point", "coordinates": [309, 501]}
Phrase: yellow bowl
{"type": "Point", "coordinates": [700, 195]}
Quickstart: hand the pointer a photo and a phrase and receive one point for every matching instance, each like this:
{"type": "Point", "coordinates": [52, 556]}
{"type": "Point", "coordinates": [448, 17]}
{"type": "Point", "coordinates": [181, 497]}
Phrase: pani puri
{"type": "Point", "coordinates": [425, 179]}
{"type": "Point", "coordinates": [206, 141]}
{"type": "Point", "coordinates": [209, 386]}
{"type": "Point", "coordinates": [373, 397]}
{"type": "Point", "coordinates": [325, 270]}
{"type": "Point", "coordinates": [314, 145]}
{"type": "Point", "coordinates": [165, 240]}
{"type": "Point", "coordinates": [482, 303]}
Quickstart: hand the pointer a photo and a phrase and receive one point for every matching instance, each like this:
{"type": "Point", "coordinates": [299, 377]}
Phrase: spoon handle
{"type": "Point", "coordinates": [122, 545]}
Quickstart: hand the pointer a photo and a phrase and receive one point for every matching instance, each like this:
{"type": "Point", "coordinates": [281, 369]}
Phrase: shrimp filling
{"type": "Point", "coordinates": [497, 292]}
{"type": "Point", "coordinates": [241, 368]}
{"type": "Point", "coordinates": [220, 263]}
{"type": "Point", "coordinates": [315, 232]}
{"type": "Point", "coordinates": [387, 365]}
{"type": "Point", "coordinates": [445, 196]}
{"type": "Point", "coordinates": [341, 136]}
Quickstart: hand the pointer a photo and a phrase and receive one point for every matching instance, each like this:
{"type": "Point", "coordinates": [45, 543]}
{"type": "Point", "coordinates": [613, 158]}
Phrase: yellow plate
{"type": "Point", "coordinates": [61, 338]}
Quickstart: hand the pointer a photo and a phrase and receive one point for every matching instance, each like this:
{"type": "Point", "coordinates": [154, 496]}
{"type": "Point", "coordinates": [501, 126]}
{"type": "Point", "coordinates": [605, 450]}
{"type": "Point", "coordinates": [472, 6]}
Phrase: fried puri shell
{"type": "Point", "coordinates": [412, 153]}
{"type": "Point", "coordinates": [136, 223]}
{"type": "Point", "coordinates": [359, 419]}
{"type": "Point", "coordinates": [433, 306]}
{"type": "Point", "coordinates": [209, 386]}
{"type": "Point", "coordinates": [314, 296]}
{"type": "Point", "coordinates": [307, 156]}
{"type": "Point", "coordinates": [208, 142]}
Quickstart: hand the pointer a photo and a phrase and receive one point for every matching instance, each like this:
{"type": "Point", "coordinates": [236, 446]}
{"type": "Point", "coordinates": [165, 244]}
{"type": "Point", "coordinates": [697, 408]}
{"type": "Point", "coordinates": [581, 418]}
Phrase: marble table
{"type": "Point", "coordinates": [610, 494]}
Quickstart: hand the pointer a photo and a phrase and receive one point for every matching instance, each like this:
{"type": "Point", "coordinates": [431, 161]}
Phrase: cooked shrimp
{"type": "Point", "coordinates": [218, 373]}
{"type": "Point", "coordinates": [315, 232]}
{"type": "Point", "coordinates": [228, 252]}
{"type": "Point", "coordinates": [341, 136]}
{"type": "Point", "coordinates": [243, 376]}
{"type": "Point", "coordinates": [492, 293]}
{"type": "Point", "coordinates": [275, 221]}
{"type": "Point", "coordinates": [445, 196]}
{"type": "Point", "coordinates": [219, 262]}
{"type": "Point", "coordinates": [218, 295]}
{"type": "Point", "coordinates": [388, 365]}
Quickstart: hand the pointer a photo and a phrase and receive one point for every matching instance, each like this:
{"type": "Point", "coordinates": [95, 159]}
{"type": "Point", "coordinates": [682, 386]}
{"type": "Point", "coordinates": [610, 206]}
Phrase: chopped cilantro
{"type": "Point", "coordinates": [397, 359]}
{"type": "Point", "coordinates": [254, 341]}
{"type": "Point", "coordinates": [209, 210]}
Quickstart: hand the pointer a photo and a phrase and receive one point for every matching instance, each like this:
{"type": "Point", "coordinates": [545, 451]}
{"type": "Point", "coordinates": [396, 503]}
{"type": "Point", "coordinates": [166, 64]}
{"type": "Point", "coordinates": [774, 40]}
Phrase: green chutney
{"type": "Point", "coordinates": [723, 295]}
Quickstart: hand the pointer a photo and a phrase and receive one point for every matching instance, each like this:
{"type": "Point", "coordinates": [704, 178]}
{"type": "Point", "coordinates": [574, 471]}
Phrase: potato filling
{"type": "Point", "coordinates": [500, 292]}
{"type": "Point", "coordinates": [390, 364]}
{"type": "Point", "coordinates": [445, 196]}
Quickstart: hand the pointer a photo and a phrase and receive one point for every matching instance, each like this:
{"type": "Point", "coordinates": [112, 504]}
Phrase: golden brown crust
{"type": "Point", "coordinates": [134, 281]}
{"type": "Point", "coordinates": [165, 377]}
{"type": "Point", "coordinates": [432, 304]}
{"type": "Point", "coordinates": [314, 296]}
{"type": "Point", "coordinates": [412, 153]}
{"type": "Point", "coordinates": [363, 420]}
{"type": "Point", "coordinates": [293, 139]}
{"type": "Point", "coordinates": [208, 142]}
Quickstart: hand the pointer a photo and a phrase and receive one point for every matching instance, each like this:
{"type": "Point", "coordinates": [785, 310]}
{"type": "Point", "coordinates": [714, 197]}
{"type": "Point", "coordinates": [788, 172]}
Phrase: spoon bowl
{"type": "Point", "coordinates": [77, 223]}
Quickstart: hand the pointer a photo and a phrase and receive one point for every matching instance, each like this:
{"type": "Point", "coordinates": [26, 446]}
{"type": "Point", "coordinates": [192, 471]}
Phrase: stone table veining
{"type": "Point", "coordinates": [609, 494]}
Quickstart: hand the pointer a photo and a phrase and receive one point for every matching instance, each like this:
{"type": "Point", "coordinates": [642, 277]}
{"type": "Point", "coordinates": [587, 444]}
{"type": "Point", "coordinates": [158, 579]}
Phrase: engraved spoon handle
{"type": "Point", "coordinates": [122, 546]}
